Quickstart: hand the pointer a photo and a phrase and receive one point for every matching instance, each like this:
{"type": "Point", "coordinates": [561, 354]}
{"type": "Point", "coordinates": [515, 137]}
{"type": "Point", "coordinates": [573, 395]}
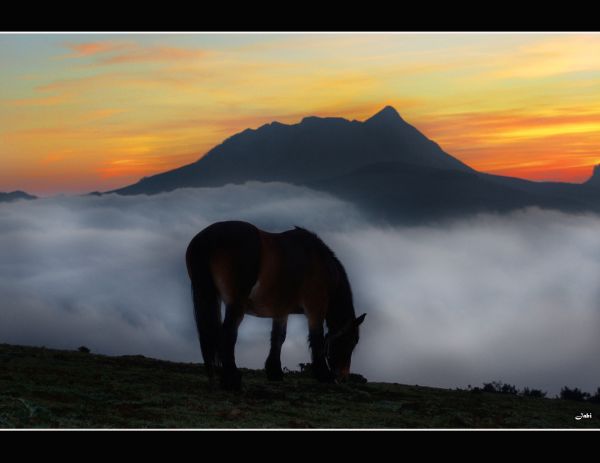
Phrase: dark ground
{"type": "Point", "coordinates": [46, 388]}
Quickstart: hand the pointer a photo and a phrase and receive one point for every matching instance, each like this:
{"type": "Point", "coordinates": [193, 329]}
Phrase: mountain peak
{"type": "Point", "coordinates": [386, 115]}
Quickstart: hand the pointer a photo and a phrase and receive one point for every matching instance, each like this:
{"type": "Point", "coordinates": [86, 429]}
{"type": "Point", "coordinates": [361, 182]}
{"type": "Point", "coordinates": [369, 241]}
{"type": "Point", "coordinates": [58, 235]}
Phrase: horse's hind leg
{"type": "Point", "coordinates": [273, 363]}
{"type": "Point", "coordinates": [316, 340]}
{"type": "Point", "coordinates": [231, 378]}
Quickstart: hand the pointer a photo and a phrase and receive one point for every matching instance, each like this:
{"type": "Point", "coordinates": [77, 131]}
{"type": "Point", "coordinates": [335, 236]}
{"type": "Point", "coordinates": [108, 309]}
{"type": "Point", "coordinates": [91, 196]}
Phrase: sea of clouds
{"type": "Point", "coordinates": [496, 297]}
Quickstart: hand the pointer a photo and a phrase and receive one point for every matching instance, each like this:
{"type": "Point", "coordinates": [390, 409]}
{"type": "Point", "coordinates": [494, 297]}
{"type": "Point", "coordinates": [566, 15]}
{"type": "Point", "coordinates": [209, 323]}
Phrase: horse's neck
{"type": "Point", "coordinates": [341, 308]}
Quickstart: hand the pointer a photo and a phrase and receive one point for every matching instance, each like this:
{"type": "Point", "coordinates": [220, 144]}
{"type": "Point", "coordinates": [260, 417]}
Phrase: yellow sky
{"type": "Point", "coordinates": [94, 112]}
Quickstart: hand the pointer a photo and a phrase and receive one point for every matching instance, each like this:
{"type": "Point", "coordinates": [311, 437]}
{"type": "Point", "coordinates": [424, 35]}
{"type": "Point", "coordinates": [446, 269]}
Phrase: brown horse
{"type": "Point", "coordinates": [270, 275]}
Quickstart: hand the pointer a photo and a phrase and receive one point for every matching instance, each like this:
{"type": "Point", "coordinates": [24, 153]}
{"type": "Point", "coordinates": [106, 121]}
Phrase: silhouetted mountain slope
{"type": "Point", "coordinates": [404, 193]}
{"type": "Point", "coordinates": [316, 148]}
{"type": "Point", "coordinates": [582, 196]}
{"type": "Point", "coordinates": [14, 195]}
{"type": "Point", "coordinates": [594, 180]}
{"type": "Point", "coordinates": [383, 164]}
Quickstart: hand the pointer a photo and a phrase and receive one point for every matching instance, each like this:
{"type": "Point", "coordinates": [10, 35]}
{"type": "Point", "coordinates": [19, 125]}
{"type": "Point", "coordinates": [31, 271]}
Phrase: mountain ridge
{"type": "Point", "coordinates": [15, 195]}
{"type": "Point", "coordinates": [316, 147]}
{"type": "Point", "coordinates": [329, 154]}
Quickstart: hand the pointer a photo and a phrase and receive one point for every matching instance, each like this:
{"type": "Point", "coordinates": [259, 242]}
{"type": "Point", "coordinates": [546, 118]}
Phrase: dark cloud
{"type": "Point", "coordinates": [511, 297]}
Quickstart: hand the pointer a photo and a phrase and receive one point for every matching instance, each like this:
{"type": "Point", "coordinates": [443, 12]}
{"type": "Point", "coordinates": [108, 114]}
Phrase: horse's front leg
{"type": "Point", "coordinates": [231, 378]}
{"type": "Point", "coordinates": [273, 363]}
{"type": "Point", "coordinates": [316, 340]}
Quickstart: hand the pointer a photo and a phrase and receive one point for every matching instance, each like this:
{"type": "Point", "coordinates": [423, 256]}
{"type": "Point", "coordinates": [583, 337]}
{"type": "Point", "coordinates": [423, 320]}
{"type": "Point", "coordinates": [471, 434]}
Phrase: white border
{"type": "Point", "coordinates": [300, 32]}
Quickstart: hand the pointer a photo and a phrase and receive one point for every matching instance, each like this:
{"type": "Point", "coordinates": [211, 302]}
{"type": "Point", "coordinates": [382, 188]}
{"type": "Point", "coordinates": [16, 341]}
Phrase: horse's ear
{"type": "Point", "coordinates": [360, 319]}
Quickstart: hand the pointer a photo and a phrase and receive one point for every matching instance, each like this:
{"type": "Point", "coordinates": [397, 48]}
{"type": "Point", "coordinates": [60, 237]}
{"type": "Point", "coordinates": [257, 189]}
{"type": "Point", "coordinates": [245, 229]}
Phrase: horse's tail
{"type": "Point", "coordinates": [207, 303]}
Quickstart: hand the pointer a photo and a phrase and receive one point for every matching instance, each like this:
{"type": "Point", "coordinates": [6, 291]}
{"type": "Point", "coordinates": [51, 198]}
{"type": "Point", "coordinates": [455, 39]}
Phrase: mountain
{"type": "Point", "coordinates": [15, 195]}
{"type": "Point", "coordinates": [315, 149]}
{"type": "Point", "coordinates": [382, 164]}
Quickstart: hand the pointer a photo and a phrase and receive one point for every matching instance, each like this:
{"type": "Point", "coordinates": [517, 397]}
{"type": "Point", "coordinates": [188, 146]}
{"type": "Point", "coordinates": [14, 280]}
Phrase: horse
{"type": "Point", "coordinates": [270, 275]}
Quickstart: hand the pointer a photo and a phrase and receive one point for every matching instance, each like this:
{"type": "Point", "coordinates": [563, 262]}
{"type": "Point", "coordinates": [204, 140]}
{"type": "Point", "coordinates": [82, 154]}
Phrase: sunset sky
{"type": "Point", "coordinates": [84, 112]}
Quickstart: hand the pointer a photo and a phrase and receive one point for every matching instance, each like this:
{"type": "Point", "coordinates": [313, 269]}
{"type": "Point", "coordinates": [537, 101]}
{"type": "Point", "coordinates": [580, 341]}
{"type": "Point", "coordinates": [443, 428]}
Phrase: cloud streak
{"type": "Point", "coordinates": [86, 49]}
{"type": "Point", "coordinates": [561, 145]}
{"type": "Point", "coordinates": [107, 53]}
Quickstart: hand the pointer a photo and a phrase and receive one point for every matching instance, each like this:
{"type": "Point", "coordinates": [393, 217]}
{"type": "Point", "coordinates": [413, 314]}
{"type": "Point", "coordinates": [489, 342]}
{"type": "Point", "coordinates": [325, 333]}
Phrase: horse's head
{"type": "Point", "coordinates": [339, 347]}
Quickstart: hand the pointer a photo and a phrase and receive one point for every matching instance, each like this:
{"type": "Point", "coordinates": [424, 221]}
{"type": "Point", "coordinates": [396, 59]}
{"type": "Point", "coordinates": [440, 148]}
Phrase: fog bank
{"type": "Point", "coordinates": [513, 297]}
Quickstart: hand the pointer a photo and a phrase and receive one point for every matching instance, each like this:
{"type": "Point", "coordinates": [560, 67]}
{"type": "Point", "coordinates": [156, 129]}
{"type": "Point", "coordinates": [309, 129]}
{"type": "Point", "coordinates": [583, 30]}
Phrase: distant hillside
{"type": "Point", "coordinates": [46, 388]}
{"type": "Point", "coordinates": [383, 164]}
{"type": "Point", "coordinates": [404, 193]}
{"type": "Point", "coordinates": [14, 196]}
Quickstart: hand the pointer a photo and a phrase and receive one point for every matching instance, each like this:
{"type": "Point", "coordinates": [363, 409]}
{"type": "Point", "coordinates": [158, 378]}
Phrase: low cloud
{"type": "Point", "coordinates": [513, 297]}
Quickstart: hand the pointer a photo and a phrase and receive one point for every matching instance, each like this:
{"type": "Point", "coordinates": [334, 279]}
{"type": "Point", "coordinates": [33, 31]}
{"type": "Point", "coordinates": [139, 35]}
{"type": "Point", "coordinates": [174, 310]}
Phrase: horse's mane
{"type": "Point", "coordinates": [342, 306]}
{"type": "Point", "coordinates": [311, 239]}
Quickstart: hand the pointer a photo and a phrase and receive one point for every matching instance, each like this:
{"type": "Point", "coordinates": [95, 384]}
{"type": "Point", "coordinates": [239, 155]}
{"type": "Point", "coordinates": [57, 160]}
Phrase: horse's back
{"type": "Point", "coordinates": [269, 274]}
{"type": "Point", "coordinates": [292, 276]}
{"type": "Point", "coordinates": [281, 267]}
{"type": "Point", "coordinates": [231, 235]}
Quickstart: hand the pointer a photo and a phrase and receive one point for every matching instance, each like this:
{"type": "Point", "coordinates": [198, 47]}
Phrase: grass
{"type": "Point", "coordinates": [47, 388]}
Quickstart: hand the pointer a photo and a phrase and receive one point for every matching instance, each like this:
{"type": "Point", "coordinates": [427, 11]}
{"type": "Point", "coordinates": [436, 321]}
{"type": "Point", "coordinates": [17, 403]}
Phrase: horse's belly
{"type": "Point", "coordinates": [261, 312]}
{"type": "Point", "coordinates": [262, 303]}
{"type": "Point", "coordinates": [264, 310]}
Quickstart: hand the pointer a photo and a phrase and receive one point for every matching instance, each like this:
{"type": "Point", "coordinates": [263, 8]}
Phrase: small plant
{"type": "Point", "coordinates": [509, 389]}
{"type": "Point", "coordinates": [84, 349]}
{"type": "Point", "coordinates": [304, 367]}
{"type": "Point", "coordinates": [357, 378]}
{"type": "Point", "coordinates": [500, 388]}
{"type": "Point", "coordinates": [573, 394]}
{"type": "Point", "coordinates": [595, 399]}
{"type": "Point", "coordinates": [534, 393]}
{"type": "Point", "coordinates": [490, 387]}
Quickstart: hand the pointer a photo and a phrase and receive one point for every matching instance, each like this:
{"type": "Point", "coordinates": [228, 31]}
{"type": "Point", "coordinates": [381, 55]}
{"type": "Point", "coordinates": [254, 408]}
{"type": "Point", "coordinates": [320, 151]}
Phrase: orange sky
{"type": "Point", "coordinates": [84, 112]}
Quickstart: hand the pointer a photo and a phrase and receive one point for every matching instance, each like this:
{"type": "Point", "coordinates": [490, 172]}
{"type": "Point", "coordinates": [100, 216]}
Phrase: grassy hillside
{"type": "Point", "coordinates": [44, 388]}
